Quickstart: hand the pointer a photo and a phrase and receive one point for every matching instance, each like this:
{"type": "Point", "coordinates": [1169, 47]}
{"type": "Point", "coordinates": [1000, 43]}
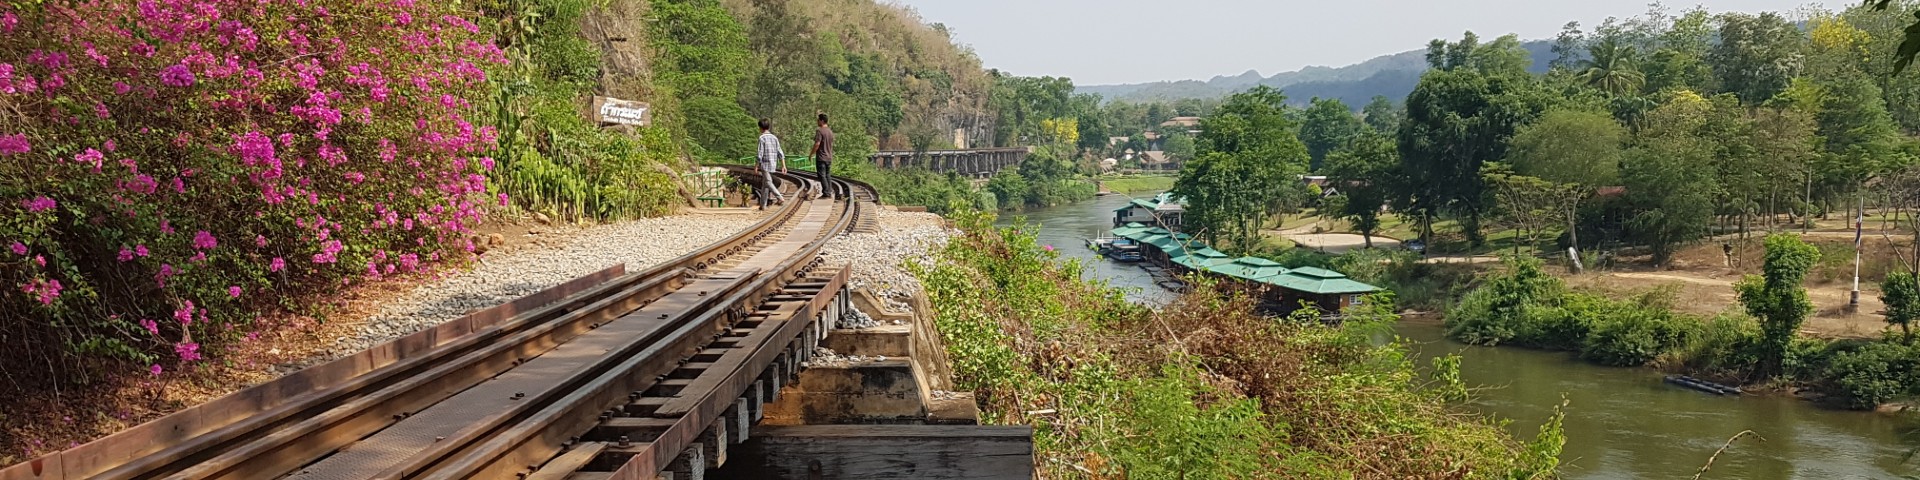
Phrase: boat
{"type": "Point", "coordinates": [1703, 385]}
{"type": "Point", "coordinates": [1110, 246]}
{"type": "Point", "coordinates": [1126, 254]}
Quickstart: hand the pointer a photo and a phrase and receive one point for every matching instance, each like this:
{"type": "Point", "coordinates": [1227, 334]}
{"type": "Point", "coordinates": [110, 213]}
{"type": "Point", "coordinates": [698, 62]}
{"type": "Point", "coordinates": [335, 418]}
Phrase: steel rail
{"type": "Point", "coordinates": [291, 431]}
{"type": "Point", "coordinates": [519, 450]}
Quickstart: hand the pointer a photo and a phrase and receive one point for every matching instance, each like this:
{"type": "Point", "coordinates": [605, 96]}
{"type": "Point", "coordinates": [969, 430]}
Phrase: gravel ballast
{"type": "Point", "coordinates": [877, 259]}
{"type": "Point", "coordinates": [500, 277]}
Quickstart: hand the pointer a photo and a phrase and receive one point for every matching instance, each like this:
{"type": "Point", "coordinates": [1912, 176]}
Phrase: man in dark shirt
{"type": "Point", "coordinates": [823, 157]}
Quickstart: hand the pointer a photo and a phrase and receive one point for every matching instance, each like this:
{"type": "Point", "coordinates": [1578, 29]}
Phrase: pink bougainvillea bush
{"type": "Point", "coordinates": [170, 168]}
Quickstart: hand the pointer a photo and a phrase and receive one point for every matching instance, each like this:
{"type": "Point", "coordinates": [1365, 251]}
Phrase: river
{"type": "Point", "coordinates": [1067, 228]}
{"type": "Point", "coordinates": [1622, 423]}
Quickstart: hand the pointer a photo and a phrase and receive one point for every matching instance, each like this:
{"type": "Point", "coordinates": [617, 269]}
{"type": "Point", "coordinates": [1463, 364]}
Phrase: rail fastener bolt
{"type": "Point", "coordinates": [624, 443]}
{"type": "Point", "coordinates": [519, 395]}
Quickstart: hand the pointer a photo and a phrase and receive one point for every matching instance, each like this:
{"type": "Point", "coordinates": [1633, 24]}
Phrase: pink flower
{"type": "Point", "coordinates": [184, 314]}
{"type": "Point", "coordinates": [177, 76]}
{"type": "Point", "coordinates": [233, 291]}
{"type": "Point", "coordinates": [91, 157]}
{"type": "Point", "coordinates": [152, 327]}
{"type": "Point", "coordinates": [503, 199]}
{"type": "Point", "coordinates": [166, 271]}
{"type": "Point", "coordinates": [126, 255]}
{"type": "Point", "coordinates": [19, 248]}
{"type": "Point", "coordinates": [188, 351]}
{"type": "Point", "coordinates": [203, 240]}
{"type": "Point", "coordinates": [155, 370]}
{"type": "Point", "coordinates": [39, 204]}
{"type": "Point", "coordinates": [14, 144]}
{"type": "Point", "coordinates": [100, 110]}
{"type": "Point", "coordinates": [49, 291]}
{"type": "Point", "coordinates": [42, 261]}
{"type": "Point", "coordinates": [278, 264]}
{"type": "Point", "coordinates": [140, 250]}
{"type": "Point", "coordinates": [260, 241]}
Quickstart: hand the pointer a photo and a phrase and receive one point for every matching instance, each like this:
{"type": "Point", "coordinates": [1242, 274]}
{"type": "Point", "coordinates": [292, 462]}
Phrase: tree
{"type": "Point", "coordinates": [1574, 150]}
{"type": "Point", "coordinates": [1009, 188]}
{"type": "Point", "coordinates": [1669, 178]}
{"type": "Point", "coordinates": [1381, 114]}
{"type": "Point", "coordinates": [1567, 51]}
{"type": "Point", "coordinates": [1458, 118]}
{"type": "Point", "coordinates": [1909, 46]}
{"type": "Point", "coordinates": [1777, 298]}
{"type": "Point", "coordinates": [1570, 146]}
{"type": "Point", "coordinates": [1673, 69]}
{"type": "Point", "coordinates": [1901, 293]}
{"type": "Point", "coordinates": [1757, 55]}
{"type": "Point", "coordinates": [1610, 67]}
{"type": "Point", "coordinates": [1179, 145]}
{"type": "Point", "coordinates": [1363, 171]}
{"type": "Point", "coordinates": [1530, 204]}
{"type": "Point", "coordinates": [1062, 131]}
{"type": "Point", "coordinates": [1852, 114]}
{"type": "Point", "coordinates": [1888, 31]}
{"type": "Point", "coordinates": [1328, 125]}
{"type": "Point", "coordinates": [1250, 155]}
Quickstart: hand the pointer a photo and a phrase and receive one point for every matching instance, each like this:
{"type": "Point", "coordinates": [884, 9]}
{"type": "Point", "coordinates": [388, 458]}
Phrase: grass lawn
{"type": "Point", "coordinates": [1138, 183]}
{"type": "Point", "coordinates": [1448, 238]}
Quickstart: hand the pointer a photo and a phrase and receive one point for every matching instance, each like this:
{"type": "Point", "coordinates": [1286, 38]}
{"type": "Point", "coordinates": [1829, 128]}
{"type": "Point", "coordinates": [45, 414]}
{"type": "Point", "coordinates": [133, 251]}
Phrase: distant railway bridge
{"type": "Point", "coordinates": [978, 162]}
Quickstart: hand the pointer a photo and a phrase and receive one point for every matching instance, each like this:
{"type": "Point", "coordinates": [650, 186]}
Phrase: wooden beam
{"type": "Point", "coordinates": [885, 452]}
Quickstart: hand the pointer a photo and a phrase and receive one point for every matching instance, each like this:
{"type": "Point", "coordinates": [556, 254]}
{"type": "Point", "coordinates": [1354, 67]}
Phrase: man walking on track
{"type": "Point", "coordinates": [770, 158]}
{"type": "Point", "coordinates": [823, 157]}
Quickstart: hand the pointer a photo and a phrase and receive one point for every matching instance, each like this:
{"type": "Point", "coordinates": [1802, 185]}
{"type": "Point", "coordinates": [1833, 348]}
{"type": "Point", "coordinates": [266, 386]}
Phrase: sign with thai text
{"type": "Point", "coordinates": [608, 110]}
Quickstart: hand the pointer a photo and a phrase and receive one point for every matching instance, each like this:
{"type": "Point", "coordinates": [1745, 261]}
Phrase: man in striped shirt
{"type": "Point", "coordinates": [770, 158]}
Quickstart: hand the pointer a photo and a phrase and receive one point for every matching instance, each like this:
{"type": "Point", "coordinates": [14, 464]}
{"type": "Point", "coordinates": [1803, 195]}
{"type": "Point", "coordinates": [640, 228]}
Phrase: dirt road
{"type": "Point", "coordinates": [1709, 295]}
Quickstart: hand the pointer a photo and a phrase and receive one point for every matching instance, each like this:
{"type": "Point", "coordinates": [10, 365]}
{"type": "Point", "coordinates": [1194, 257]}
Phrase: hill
{"type": "Point", "coordinates": [1391, 75]}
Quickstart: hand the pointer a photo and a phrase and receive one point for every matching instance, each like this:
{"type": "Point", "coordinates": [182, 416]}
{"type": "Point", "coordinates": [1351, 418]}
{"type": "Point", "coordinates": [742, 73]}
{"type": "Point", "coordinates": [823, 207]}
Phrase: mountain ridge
{"type": "Point", "coordinates": [1392, 75]}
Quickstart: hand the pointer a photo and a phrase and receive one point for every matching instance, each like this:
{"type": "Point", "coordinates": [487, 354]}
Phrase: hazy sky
{"type": "Point", "coordinates": [1131, 41]}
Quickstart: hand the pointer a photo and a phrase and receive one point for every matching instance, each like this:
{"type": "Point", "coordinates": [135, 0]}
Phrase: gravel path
{"type": "Point", "coordinates": [876, 258]}
{"type": "Point", "coordinates": [504, 276]}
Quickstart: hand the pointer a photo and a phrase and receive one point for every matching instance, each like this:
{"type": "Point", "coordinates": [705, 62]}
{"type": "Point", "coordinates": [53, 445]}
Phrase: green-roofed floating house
{"type": "Point", "coordinates": [1162, 210]}
{"type": "Point", "coordinates": [1282, 289]}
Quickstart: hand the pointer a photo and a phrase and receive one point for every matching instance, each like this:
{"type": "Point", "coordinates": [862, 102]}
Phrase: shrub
{"type": "Point", "coordinates": [1631, 335]}
{"type": "Point", "coordinates": [1873, 374]}
{"type": "Point", "coordinates": [1494, 312]}
{"type": "Point", "coordinates": [1723, 345]}
{"type": "Point", "coordinates": [165, 166]}
{"type": "Point", "coordinates": [551, 157]}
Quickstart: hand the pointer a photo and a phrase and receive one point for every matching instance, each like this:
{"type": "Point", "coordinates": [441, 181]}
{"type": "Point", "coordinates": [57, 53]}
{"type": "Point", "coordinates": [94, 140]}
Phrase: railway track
{"type": "Point", "coordinates": [614, 375]}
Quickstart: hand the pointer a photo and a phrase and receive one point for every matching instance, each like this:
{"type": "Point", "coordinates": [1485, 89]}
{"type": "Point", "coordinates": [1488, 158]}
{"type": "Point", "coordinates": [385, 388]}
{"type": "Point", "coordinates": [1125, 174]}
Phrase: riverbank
{"type": "Point", "coordinates": [1137, 184]}
{"type": "Point", "coordinates": [1112, 390]}
{"type": "Point", "coordinates": [1524, 306]}
{"type": "Point", "coordinates": [1625, 423]}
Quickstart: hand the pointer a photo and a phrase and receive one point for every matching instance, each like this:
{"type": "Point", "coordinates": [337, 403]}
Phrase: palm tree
{"type": "Point", "coordinates": [1610, 68]}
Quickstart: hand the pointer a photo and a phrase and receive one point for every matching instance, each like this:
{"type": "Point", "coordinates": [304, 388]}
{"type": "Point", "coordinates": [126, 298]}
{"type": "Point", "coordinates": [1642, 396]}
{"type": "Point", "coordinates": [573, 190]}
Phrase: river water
{"type": "Point", "coordinates": [1622, 423]}
{"type": "Point", "coordinates": [1067, 229]}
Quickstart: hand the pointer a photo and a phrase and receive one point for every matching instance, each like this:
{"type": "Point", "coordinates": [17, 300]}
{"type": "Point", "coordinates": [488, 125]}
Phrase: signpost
{"type": "Point", "coordinates": [614, 111]}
